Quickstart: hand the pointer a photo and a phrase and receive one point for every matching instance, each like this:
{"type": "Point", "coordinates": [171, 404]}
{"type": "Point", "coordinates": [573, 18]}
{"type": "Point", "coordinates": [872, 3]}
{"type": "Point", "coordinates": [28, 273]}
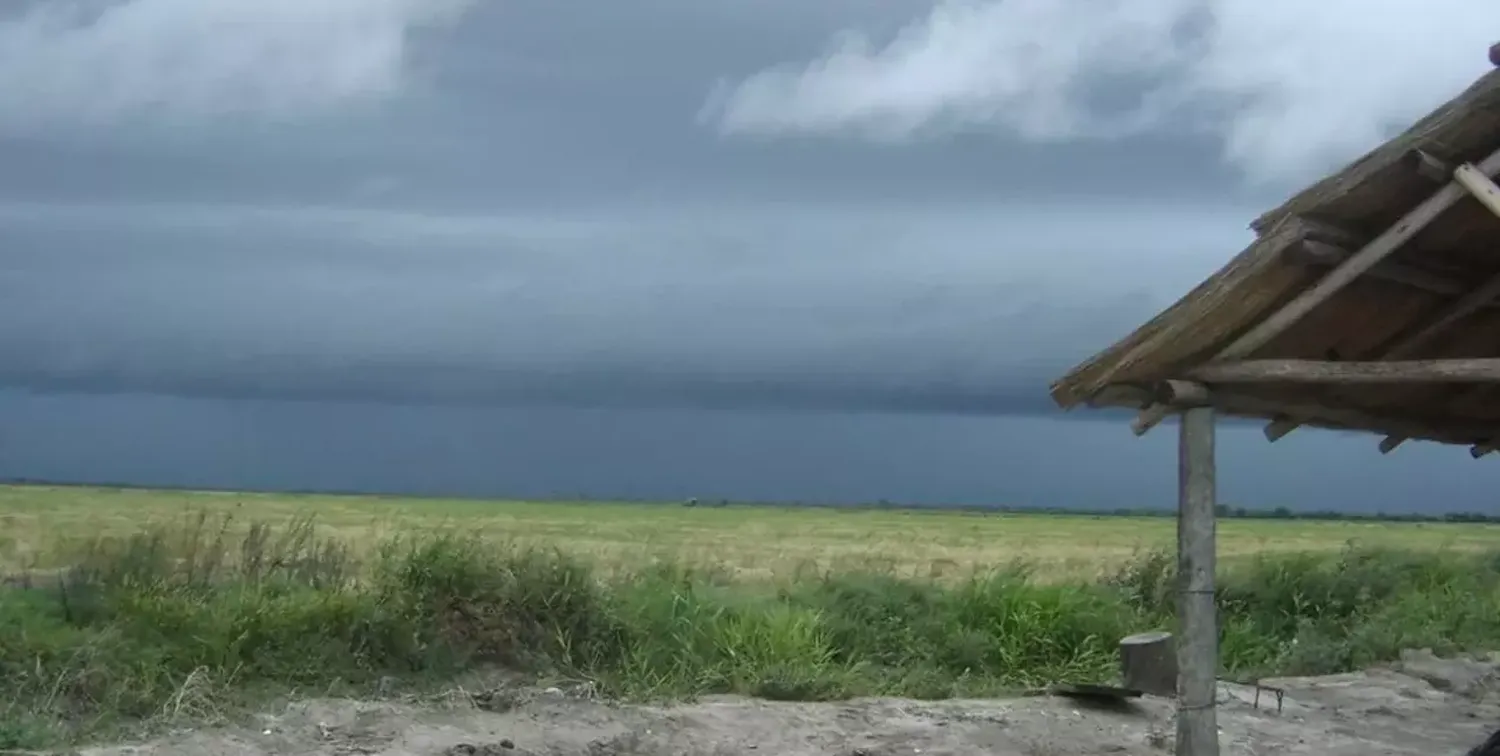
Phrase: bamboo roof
{"type": "Point", "coordinates": [1370, 301]}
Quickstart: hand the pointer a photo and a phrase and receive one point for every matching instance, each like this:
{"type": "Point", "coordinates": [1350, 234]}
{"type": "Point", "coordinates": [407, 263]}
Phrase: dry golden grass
{"type": "Point", "coordinates": [752, 542]}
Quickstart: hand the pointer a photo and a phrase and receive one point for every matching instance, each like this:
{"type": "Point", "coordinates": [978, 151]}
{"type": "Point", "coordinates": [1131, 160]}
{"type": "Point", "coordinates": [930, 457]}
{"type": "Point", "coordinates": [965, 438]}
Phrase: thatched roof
{"type": "Point", "coordinates": [1354, 306]}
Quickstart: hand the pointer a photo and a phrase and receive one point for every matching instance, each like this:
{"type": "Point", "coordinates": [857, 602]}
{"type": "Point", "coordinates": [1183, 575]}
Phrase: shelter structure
{"type": "Point", "coordinates": [1370, 301]}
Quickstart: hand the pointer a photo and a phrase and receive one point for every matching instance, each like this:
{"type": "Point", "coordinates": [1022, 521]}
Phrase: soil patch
{"type": "Point", "coordinates": [1422, 706]}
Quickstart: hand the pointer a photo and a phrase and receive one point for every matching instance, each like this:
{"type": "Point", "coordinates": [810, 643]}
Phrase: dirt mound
{"type": "Point", "coordinates": [1422, 706]}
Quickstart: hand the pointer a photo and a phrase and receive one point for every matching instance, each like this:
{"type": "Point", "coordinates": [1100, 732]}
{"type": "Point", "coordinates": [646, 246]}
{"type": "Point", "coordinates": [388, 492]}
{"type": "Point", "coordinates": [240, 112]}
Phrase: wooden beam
{"type": "Point", "coordinates": [1483, 370]}
{"type": "Point", "coordinates": [1121, 395]}
{"type": "Point", "coordinates": [1430, 166]}
{"type": "Point", "coordinates": [1453, 395]}
{"type": "Point", "coordinates": [1180, 395]}
{"type": "Point", "coordinates": [1198, 651]}
{"type": "Point", "coordinates": [1327, 255]}
{"type": "Point", "coordinates": [1440, 321]}
{"type": "Point", "coordinates": [1411, 342]}
{"type": "Point", "coordinates": [1323, 414]}
{"type": "Point", "coordinates": [1278, 428]}
{"type": "Point", "coordinates": [1184, 394]}
{"type": "Point", "coordinates": [1357, 265]}
{"type": "Point", "coordinates": [1479, 185]}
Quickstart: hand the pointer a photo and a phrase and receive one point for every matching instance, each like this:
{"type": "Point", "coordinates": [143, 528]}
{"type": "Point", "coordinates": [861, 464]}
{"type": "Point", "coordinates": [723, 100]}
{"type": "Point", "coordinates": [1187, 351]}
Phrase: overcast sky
{"type": "Point", "coordinates": [789, 209]}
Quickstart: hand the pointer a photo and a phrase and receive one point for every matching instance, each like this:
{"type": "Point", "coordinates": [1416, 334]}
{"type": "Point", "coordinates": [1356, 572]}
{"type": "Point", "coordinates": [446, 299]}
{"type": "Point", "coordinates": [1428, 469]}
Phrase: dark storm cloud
{"type": "Point", "coordinates": [400, 203]}
{"type": "Point", "coordinates": [485, 201]}
{"type": "Point", "coordinates": [605, 453]}
{"type": "Point", "coordinates": [962, 309]}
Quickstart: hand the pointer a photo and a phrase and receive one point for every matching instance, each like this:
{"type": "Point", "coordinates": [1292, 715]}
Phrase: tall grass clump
{"type": "Point", "coordinates": [201, 619]}
{"type": "Point", "coordinates": [1291, 614]}
{"type": "Point", "coordinates": [191, 621]}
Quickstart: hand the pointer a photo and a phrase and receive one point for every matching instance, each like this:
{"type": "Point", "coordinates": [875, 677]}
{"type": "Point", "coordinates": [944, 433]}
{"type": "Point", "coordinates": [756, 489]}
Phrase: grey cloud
{"type": "Point", "coordinates": [1288, 89]}
{"type": "Point", "coordinates": [66, 63]}
{"type": "Point", "coordinates": [939, 308]}
{"type": "Point", "coordinates": [542, 220]}
{"type": "Point", "coordinates": [532, 104]}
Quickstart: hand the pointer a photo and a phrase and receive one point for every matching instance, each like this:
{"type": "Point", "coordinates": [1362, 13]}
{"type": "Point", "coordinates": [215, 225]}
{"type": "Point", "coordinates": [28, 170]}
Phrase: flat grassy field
{"type": "Point", "coordinates": [167, 619]}
{"type": "Point", "coordinates": [750, 542]}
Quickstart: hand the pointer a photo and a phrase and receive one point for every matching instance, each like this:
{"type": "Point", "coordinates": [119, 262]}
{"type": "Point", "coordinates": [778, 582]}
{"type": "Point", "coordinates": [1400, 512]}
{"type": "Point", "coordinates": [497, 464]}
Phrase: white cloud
{"type": "Point", "coordinates": [1289, 87]}
{"type": "Point", "coordinates": [69, 62]}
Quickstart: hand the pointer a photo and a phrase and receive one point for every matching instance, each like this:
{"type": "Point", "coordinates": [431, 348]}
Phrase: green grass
{"type": "Point", "coordinates": [201, 618]}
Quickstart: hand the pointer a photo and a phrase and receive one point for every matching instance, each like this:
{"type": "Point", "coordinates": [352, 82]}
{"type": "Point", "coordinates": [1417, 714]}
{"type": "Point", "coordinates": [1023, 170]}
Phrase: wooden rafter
{"type": "Point", "coordinates": [1483, 189]}
{"type": "Point", "coordinates": [1323, 254]}
{"type": "Point", "coordinates": [1345, 273]}
{"type": "Point", "coordinates": [1485, 370]}
{"type": "Point", "coordinates": [1456, 395]}
{"type": "Point", "coordinates": [1236, 402]}
{"type": "Point", "coordinates": [1408, 345]}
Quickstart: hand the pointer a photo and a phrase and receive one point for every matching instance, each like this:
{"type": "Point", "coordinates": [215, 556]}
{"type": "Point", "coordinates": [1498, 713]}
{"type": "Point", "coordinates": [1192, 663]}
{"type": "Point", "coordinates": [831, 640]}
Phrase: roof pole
{"type": "Point", "coordinates": [1198, 651]}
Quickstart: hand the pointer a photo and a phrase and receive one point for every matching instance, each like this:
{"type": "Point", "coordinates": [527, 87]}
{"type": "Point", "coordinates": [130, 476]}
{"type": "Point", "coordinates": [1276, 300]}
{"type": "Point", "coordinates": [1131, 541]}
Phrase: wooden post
{"type": "Point", "coordinates": [1198, 644]}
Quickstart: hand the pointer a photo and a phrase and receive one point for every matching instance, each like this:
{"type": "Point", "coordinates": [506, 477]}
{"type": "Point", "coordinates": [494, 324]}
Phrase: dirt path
{"type": "Point", "coordinates": [1423, 706]}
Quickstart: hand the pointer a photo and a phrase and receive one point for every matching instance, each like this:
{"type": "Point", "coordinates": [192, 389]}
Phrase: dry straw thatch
{"type": "Point", "coordinates": [1370, 301]}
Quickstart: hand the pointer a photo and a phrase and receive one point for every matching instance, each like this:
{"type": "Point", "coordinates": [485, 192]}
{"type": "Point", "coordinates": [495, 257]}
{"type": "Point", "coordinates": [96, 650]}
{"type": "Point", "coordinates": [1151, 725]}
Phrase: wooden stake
{"type": "Point", "coordinates": [1357, 265]}
{"type": "Point", "coordinates": [1198, 650]}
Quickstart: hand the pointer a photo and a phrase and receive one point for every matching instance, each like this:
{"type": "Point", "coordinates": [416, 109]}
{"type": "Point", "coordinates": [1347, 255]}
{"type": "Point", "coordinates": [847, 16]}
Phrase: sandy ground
{"type": "Point", "coordinates": [1422, 705]}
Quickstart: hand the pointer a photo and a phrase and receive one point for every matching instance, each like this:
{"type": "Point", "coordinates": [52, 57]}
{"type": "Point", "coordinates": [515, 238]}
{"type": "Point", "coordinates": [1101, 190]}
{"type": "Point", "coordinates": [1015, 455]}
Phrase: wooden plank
{"type": "Point", "coordinates": [1357, 265]}
{"type": "Point", "coordinates": [1481, 370]}
{"type": "Point", "coordinates": [1198, 650]}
